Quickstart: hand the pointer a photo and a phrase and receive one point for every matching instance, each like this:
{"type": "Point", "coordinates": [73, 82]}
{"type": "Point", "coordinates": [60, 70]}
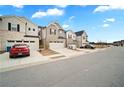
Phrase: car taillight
{"type": "Point", "coordinates": [25, 49]}
{"type": "Point", "coordinates": [12, 50]}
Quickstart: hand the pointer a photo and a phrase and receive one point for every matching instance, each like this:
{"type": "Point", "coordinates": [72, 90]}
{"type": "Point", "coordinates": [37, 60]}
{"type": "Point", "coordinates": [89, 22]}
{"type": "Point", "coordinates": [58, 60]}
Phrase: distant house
{"type": "Point", "coordinates": [71, 41]}
{"type": "Point", "coordinates": [118, 43]}
{"type": "Point", "coordinates": [101, 44]}
{"type": "Point", "coordinates": [82, 38]}
{"type": "Point", "coordinates": [122, 42]}
{"type": "Point", "coordinates": [52, 36]}
{"type": "Point", "coordinates": [16, 30]}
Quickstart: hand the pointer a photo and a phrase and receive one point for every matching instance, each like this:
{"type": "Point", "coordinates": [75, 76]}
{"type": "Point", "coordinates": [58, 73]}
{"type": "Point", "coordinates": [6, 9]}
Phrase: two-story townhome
{"type": "Point", "coordinates": [52, 36]}
{"type": "Point", "coordinates": [81, 38]}
{"type": "Point", "coordinates": [17, 30]}
{"type": "Point", "coordinates": [71, 41]}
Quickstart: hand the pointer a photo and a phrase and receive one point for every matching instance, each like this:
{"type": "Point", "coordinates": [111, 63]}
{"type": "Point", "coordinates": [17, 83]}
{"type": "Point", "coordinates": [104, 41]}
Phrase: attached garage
{"type": "Point", "coordinates": [56, 44]}
{"type": "Point", "coordinates": [10, 43]}
{"type": "Point", "coordinates": [32, 42]}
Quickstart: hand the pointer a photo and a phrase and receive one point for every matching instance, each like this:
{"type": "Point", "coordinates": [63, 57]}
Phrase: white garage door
{"type": "Point", "coordinates": [56, 45]}
{"type": "Point", "coordinates": [31, 44]}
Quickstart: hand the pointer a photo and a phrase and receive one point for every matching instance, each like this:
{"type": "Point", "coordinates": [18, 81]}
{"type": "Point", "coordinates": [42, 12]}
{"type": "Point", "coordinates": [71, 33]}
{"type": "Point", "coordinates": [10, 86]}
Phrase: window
{"type": "Point", "coordinates": [32, 41]}
{"type": "Point", "coordinates": [60, 31]}
{"type": "Point", "coordinates": [39, 29]}
{"type": "Point", "coordinates": [55, 32]}
{"type": "Point", "coordinates": [84, 37]}
{"type": "Point", "coordinates": [29, 29]}
{"type": "Point", "coordinates": [69, 36]}
{"type": "Point", "coordinates": [11, 41]}
{"type": "Point", "coordinates": [9, 26]}
{"type": "Point", "coordinates": [13, 27]}
{"type": "Point", "coordinates": [18, 27]}
{"type": "Point", "coordinates": [18, 41]}
{"type": "Point", "coordinates": [33, 29]}
{"type": "Point", "coordinates": [26, 41]}
{"type": "Point", "coordinates": [52, 31]}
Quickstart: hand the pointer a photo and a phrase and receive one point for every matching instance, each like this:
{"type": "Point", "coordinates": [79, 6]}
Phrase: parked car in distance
{"type": "Point", "coordinates": [82, 47]}
{"type": "Point", "coordinates": [19, 50]}
{"type": "Point", "coordinates": [88, 46]}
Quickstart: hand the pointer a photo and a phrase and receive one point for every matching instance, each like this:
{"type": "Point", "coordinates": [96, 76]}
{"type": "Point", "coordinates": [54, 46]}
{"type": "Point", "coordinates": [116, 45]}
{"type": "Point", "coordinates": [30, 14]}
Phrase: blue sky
{"type": "Point", "coordinates": [102, 23]}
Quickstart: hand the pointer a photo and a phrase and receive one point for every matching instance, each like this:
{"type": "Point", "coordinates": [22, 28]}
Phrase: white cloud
{"type": "Point", "coordinates": [109, 20]}
{"type": "Point", "coordinates": [104, 8]}
{"type": "Point", "coordinates": [39, 14]}
{"type": "Point", "coordinates": [101, 9]}
{"type": "Point", "coordinates": [83, 5]}
{"type": "Point", "coordinates": [105, 25]}
{"type": "Point", "coordinates": [72, 17]}
{"type": "Point", "coordinates": [62, 6]}
{"type": "Point", "coordinates": [55, 11]}
{"type": "Point", "coordinates": [18, 6]}
{"type": "Point", "coordinates": [65, 26]}
{"type": "Point", "coordinates": [49, 12]}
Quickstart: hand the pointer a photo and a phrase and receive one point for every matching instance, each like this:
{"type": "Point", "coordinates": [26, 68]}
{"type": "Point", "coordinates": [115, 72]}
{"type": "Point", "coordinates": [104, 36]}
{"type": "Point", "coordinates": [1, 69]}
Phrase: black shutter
{"type": "Point", "coordinates": [9, 26]}
{"type": "Point", "coordinates": [50, 31]}
{"type": "Point", "coordinates": [18, 27]}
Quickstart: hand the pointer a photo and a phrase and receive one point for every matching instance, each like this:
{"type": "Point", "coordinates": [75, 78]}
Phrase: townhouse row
{"type": "Point", "coordinates": [16, 30]}
{"type": "Point", "coordinates": [54, 36]}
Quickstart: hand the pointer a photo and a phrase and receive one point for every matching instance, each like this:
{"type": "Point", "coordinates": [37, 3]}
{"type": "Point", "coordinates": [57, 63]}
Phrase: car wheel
{"type": "Point", "coordinates": [11, 57]}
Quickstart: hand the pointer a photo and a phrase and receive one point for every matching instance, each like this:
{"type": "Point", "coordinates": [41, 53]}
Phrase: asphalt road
{"type": "Point", "coordinates": [100, 69]}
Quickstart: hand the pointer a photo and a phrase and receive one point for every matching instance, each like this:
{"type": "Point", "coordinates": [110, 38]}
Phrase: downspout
{"type": "Point", "coordinates": [25, 28]}
{"type": "Point", "coordinates": [45, 41]}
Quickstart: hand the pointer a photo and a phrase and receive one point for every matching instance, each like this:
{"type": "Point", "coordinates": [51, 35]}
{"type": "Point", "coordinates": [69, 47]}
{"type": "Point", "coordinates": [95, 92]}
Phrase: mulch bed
{"type": "Point", "coordinates": [1, 52]}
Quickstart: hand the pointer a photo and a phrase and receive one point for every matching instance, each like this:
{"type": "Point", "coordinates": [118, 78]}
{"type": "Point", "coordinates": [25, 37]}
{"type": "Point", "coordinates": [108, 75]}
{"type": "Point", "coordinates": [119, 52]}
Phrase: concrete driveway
{"type": "Point", "coordinates": [34, 57]}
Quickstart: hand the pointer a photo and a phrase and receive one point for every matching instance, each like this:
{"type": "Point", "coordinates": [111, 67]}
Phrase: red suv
{"type": "Point", "coordinates": [19, 50]}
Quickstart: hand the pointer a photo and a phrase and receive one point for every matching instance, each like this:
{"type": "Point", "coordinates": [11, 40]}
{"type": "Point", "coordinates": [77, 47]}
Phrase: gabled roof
{"type": "Point", "coordinates": [70, 31]}
{"type": "Point", "coordinates": [25, 19]}
{"type": "Point", "coordinates": [79, 33]}
{"type": "Point", "coordinates": [21, 18]}
{"type": "Point", "coordinates": [57, 24]}
{"type": "Point", "coordinates": [9, 16]}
